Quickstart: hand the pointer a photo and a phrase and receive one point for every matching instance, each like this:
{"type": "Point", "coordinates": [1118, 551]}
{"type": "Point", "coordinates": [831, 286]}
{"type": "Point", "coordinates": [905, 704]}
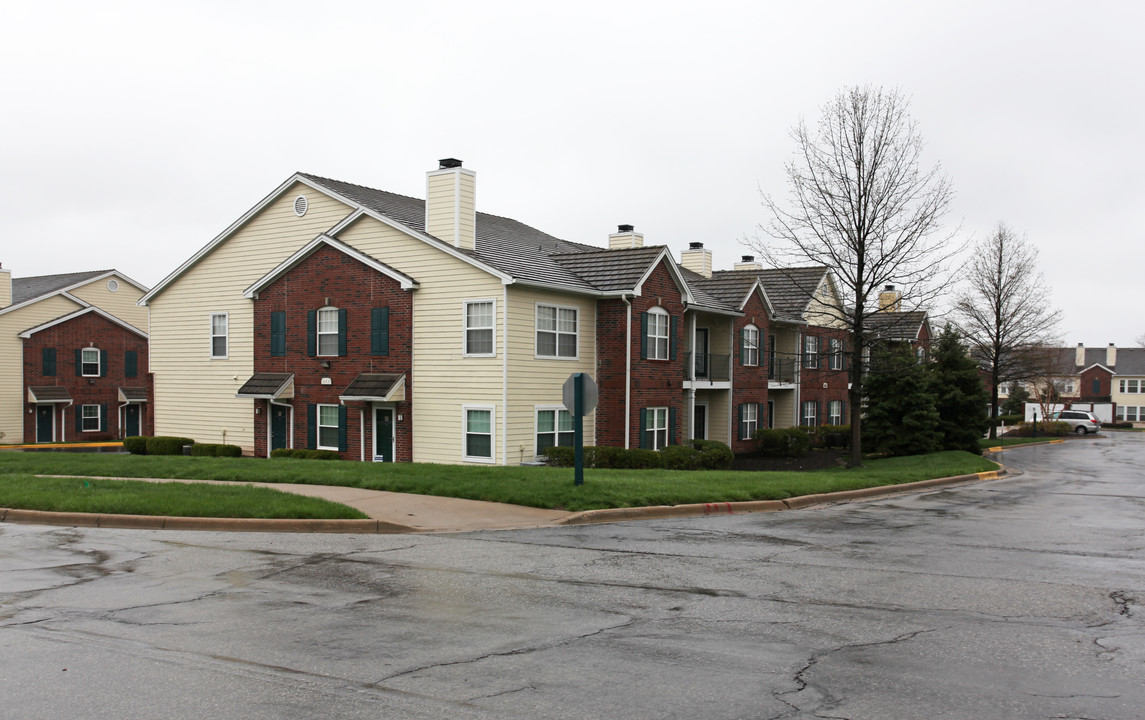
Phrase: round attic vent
{"type": "Point", "coordinates": [300, 205]}
{"type": "Point", "coordinates": [112, 285]}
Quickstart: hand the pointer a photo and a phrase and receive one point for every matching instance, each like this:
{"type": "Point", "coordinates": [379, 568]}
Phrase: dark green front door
{"type": "Point", "coordinates": [277, 427]}
{"type": "Point", "coordinates": [45, 423]}
{"type": "Point", "coordinates": [131, 421]}
{"type": "Point", "coordinates": [383, 435]}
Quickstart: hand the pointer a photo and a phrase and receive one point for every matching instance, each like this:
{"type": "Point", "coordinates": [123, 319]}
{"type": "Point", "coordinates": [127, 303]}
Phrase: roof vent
{"type": "Point", "coordinates": [696, 246]}
{"type": "Point", "coordinates": [747, 258]}
{"type": "Point", "coordinates": [300, 205]}
{"type": "Point", "coordinates": [624, 228]}
{"type": "Point", "coordinates": [448, 163]}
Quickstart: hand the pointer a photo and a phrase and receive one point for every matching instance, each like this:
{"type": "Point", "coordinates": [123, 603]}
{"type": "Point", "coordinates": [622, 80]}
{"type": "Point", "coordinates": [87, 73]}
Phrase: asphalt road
{"type": "Point", "coordinates": [1016, 598]}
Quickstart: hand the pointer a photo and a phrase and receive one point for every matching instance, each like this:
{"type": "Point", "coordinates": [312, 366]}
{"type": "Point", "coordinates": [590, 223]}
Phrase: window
{"type": "Point", "coordinates": [218, 335]}
{"type": "Point", "coordinates": [655, 428]}
{"type": "Point", "coordinates": [479, 327]}
{"type": "Point", "coordinates": [1129, 413]}
{"type": "Point", "coordinates": [554, 429]}
{"type": "Point", "coordinates": [1069, 387]}
{"type": "Point", "coordinates": [749, 346]}
{"type": "Point", "coordinates": [810, 351]}
{"type": "Point", "coordinates": [89, 363]}
{"type": "Point", "coordinates": [1131, 386]}
{"type": "Point", "coordinates": [835, 348]}
{"type": "Point", "coordinates": [328, 331]}
{"type": "Point", "coordinates": [835, 412]}
{"type": "Point", "coordinates": [328, 417]}
{"type": "Point", "coordinates": [556, 331]}
{"type": "Point", "coordinates": [656, 344]}
{"type": "Point", "coordinates": [478, 433]}
{"type": "Point", "coordinates": [748, 420]}
{"type": "Point", "coordinates": [90, 418]}
{"type": "Point", "coordinates": [810, 415]}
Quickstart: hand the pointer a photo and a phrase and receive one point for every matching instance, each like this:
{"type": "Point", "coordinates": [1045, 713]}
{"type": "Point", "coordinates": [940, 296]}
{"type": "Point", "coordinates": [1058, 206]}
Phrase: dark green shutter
{"type": "Point", "coordinates": [742, 342]}
{"type": "Point", "coordinates": [103, 418]}
{"type": "Point", "coordinates": [818, 417]}
{"type": "Point", "coordinates": [760, 416]}
{"type": "Point", "coordinates": [342, 332]}
{"type": "Point", "coordinates": [278, 333]}
{"type": "Point", "coordinates": [643, 336]}
{"type": "Point", "coordinates": [130, 363]}
{"type": "Point", "coordinates": [843, 412]}
{"type": "Point", "coordinates": [103, 363]}
{"type": "Point", "coordinates": [671, 426]}
{"type": "Point", "coordinates": [312, 426]}
{"type": "Point", "coordinates": [312, 334]}
{"type": "Point", "coordinates": [644, 444]}
{"type": "Point", "coordinates": [48, 362]}
{"type": "Point", "coordinates": [79, 363]}
{"type": "Point", "coordinates": [672, 337]}
{"type": "Point", "coordinates": [342, 423]}
{"type": "Point", "coordinates": [380, 331]}
{"type": "Point", "coordinates": [79, 418]}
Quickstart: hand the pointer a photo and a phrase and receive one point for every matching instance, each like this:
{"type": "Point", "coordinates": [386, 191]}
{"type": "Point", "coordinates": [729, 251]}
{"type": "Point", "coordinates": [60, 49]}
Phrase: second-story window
{"type": "Point", "coordinates": [218, 335]}
{"type": "Point", "coordinates": [328, 331]}
{"type": "Point", "coordinates": [749, 352]}
{"type": "Point", "coordinates": [835, 348]}
{"type": "Point", "coordinates": [810, 351]}
{"type": "Point", "coordinates": [479, 327]}
{"type": "Point", "coordinates": [657, 334]}
{"type": "Point", "coordinates": [556, 331]}
{"type": "Point", "coordinates": [89, 362]}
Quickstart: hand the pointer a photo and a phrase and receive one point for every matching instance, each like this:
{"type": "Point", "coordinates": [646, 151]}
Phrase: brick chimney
{"type": "Point", "coordinates": [697, 259]}
{"type": "Point", "coordinates": [1111, 356]}
{"type": "Point", "coordinates": [747, 262]}
{"type": "Point", "coordinates": [1079, 355]}
{"type": "Point", "coordinates": [5, 286]}
{"type": "Point", "coordinates": [451, 204]}
{"type": "Point", "coordinates": [625, 238]}
{"type": "Point", "coordinates": [890, 300]}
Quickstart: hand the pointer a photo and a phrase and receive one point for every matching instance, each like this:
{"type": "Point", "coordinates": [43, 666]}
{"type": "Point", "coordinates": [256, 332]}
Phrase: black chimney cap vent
{"type": "Point", "coordinates": [446, 163]}
{"type": "Point", "coordinates": [696, 246]}
{"type": "Point", "coordinates": [624, 228]}
{"type": "Point", "coordinates": [748, 258]}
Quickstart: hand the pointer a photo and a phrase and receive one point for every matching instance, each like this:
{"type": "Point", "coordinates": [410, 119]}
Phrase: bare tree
{"type": "Point", "coordinates": [1004, 311]}
{"type": "Point", "coordinates": [1141, 340]}
{"type": "Point", "coordinates": [861, 205]}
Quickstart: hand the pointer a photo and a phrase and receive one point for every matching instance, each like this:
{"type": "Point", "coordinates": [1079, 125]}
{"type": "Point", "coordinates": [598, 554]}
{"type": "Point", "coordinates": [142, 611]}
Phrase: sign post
{"type": "Point", "coordinates": [580, 396]}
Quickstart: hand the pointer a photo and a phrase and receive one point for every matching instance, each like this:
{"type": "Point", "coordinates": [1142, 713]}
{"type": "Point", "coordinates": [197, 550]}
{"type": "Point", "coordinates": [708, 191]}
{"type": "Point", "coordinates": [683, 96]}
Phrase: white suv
{"type": "Point", "coordinates": [1080, 421]}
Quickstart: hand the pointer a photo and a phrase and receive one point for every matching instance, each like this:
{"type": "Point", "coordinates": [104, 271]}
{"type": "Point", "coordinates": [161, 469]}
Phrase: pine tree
{"type": "Point", "coordinates": [961, 398]}
{"type": "Point", "coordinates": [901, 418]}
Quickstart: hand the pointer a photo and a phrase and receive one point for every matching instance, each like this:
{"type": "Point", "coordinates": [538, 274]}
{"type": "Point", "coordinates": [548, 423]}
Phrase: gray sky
{"type": "Point", "coordinates": [135, 132]}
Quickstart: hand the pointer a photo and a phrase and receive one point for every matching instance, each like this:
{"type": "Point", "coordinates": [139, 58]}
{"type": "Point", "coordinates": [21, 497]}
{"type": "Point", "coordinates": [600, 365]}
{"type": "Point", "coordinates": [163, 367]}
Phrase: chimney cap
{"type": "Point", "coordinates": [625, 228]}
{"type": "Point", "coordinates": [695, 246]}
{"type": "Point", "coordinates": [446, 163]}
{"type": "Point", "coordinates": [890, 287]}
{"type": "Point", "coordinates": [747, 258]}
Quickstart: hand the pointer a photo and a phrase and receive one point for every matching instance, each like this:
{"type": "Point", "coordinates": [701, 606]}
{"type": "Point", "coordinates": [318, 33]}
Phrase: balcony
{"type": "Point", "coordinates": [713, 368]}
{"type": "Point", "coordinates": [781, 370]}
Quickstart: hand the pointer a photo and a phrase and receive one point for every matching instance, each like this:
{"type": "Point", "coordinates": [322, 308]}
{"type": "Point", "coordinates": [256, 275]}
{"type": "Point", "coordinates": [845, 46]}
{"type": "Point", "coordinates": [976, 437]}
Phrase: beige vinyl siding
{"type": "Point", "coordinates": [820, 310]}
{"type": "Point", "coordinates": [194, 394]}
{"type": "Point", "coordinates": [121, 303]}
{"type": "Point", "coordinates": [12, 415]}
{"type": "Point", "coordinates": [784, 408]}
{"type": "Point", "coordinates": [539, 381]}
{"type": "Point", "coordinates": [451, 205]}
{"type": "Point", "coordinates": [443, 379]}
{"type": "Point", "coordinates": [719, 418]}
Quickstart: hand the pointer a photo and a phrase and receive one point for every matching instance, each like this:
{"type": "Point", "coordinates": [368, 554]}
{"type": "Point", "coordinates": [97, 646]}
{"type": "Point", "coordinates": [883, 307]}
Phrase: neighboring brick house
{"type": "Point", "coordinates": [73, 357]}
{"type": "Point", "coordinates": [1108, 381]}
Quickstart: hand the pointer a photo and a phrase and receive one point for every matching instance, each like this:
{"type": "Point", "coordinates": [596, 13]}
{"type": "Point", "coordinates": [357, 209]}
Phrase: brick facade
{"type": "Point", "coordinates": [750, 381]}
{"type": "Point", "coordinates": [823, 384]}
{"type": "Point", "coordinates": [330, 278]}
{"type": "Point", "coordinates": [94, 331]}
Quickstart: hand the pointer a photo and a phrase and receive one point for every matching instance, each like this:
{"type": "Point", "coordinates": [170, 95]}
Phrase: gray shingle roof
{"type": "Point", "coordinates": [133, 394]}
{"type": "Point", "coordinates": [265, 384]}
{"type": "Point", "coordinates": [610, 270]}
{"type": "Point", "coordinates": [1130, 361]}
{"type": "Point", "coordinates": [896, 324]}
{"type": "Point", "coordinates": [728, 288]}
{"type": "Point", "coordinates": [371, 386]}
{"type": "Point", "coordinates": [30, 288]}
{"type": "Point", "coordinates": [50, 394]}
{"type": "Point", "coordinates": [790, 289]}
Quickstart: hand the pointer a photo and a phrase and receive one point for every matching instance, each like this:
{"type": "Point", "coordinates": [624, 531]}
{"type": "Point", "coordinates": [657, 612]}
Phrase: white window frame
{"type": "Point", "coordinates": [654, 339]}
{"type": "Point", "coordinates": [803, 416]}
{"type": "Point", "coordinates": [749, 423]}
{"type": "Point", "coordinates": [492, 410]}
{"type": "Point", "coordinates": [835, 412]}
{"type": "Point", "coordinates": [835, 358]}
{"type": "Point", "coordinates": [556, 332]}
{"type": "Point", "coordinates": [811, 352]}
{"type": "Point", "coordinates": [491, 328]}
{"type": "Point", "coordinates": [750, 346]}
{"type": "Point", "coordinates": [654, 428]}
{"type": "Point", "coordinates": [321, 425]}
{"type": "Point", "coordinates": [1137, 386]}
{"type": "Point", "coordinates": [225, 335]}
{"type": "Point", "coordinates": [319, 333]}
{"type": "Point", "coordinates": [84, 417]}
{"type": "Point", "coordinates": [1070, 387]}
{"type": "Point", "coordinates": [84, 363]}
{"type": "Point", "coordinates": [556, 432]}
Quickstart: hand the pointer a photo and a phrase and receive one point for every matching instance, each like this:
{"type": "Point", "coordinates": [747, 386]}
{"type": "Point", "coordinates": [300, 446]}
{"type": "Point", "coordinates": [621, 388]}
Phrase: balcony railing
{"type": "Point", "coordinates": [707, 366]}
{"type": "Point", "coordinates": [781, 370]}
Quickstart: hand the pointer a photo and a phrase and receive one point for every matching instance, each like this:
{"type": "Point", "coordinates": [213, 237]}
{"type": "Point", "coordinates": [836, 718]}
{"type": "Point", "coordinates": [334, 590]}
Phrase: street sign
{"type": "Point", "coordinates": [588, 398]}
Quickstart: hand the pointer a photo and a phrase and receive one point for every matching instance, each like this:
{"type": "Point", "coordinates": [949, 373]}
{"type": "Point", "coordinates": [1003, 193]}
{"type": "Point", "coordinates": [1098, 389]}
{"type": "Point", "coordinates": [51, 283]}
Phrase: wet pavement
{"type": "Point", "coordinates": [1015, 598]}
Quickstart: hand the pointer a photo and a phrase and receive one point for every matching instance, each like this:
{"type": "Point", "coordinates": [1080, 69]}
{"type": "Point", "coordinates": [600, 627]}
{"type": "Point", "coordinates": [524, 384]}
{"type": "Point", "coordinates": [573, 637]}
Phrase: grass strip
{"type": "Point", "coordinates": [167, 499]}
{"type": "Point", "coordinates": [542, 487]}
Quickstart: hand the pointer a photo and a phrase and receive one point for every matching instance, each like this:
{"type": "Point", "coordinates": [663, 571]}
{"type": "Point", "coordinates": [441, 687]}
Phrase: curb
{"type": "Point", "coordinates": [157, 522]}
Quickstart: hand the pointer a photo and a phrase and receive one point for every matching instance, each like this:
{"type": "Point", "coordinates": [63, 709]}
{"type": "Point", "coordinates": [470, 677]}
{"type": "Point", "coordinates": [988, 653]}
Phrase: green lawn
{"type": "Point", "coordinates": [543, 487]}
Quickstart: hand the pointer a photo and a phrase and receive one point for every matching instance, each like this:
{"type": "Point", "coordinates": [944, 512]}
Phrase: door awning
{"type": "Point", "coordinates": [268, 386]}
{"type": "Point", "coordinates": [49, 394]}
{"type": "Point", "coordinates": [376, 387]}
{"type": "Point", "coordinates": [133, 394]}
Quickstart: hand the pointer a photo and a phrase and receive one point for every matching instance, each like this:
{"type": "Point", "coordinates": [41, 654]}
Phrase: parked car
{"type": "Point", "coordinates": [1080, 421]}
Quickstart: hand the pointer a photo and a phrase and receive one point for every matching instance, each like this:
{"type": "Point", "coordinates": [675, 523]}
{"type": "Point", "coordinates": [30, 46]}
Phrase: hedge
{"type": "Point", "coordinates": [714, 455]}
{"type": "Point", "coordinates": [136, 445]}
{"type": "Point", "coordinates": [166, 445]}
{"type": "Point", "coordinates": [783, 442]}
{"type": "Point", "coordinates": [699, 455]}
{"type": "Point", "coordinates": [216, 450]}
{"type": "Point", "coordinates": [305, 454]}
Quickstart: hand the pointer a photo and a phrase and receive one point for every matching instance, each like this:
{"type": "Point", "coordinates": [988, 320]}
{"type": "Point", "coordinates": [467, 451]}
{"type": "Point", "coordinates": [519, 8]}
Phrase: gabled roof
{"type": "Point", "coordinates": [406, 282]}
{"type": "Point", "coordinates": [791, 289]}
{"type": "Point", "coordinates": [268, 386]}
{"type": "Point", "coordinates": [78, 313]}
{"type": "Point", "coordinates": [897, 325]}
{"type": "Point", "coordinates": [730, 289]}
{"type": "Point", "coordinates": [1130, 361]}
{"type": "Point", "coordinates": [620, 271]}
{"type": "Point", "coordinates": [32, 289]}
{"type": "Point", "coordinates": [375, 387]}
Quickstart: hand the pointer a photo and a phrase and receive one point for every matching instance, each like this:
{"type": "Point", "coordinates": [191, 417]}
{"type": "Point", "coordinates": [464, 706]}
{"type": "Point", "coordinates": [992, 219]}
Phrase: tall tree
{"type": "Point", "coordinates": [861, 204]}
{"type": "Point", "coordinates": [901, 416]}
{"type": "Point", "coordinates": [960, 397]}
{"type": "Point", "coordinates": [1004, 311]}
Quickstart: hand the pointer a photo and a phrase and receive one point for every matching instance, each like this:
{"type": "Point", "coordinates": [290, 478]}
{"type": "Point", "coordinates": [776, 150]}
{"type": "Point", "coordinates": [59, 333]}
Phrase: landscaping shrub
{"type": "Point", "coordinates": [680, 457]}
{"type": "Point", "coordinates": [1051, 428]}
{"type": "Point", "coordinates": [136, 445]}
{"type": "Point", "coordinates": [1008, 420]}
{"type": "Point", "coordinates": [560, 456]}
{"type": "Point", "coordinates": [305, 454]}
{"type": "Point", "coordinates": [714, 455]}
{"type": "Point", "coordinates": [215, 450]}
{"type": "Point", "coordinates": [605, 457]}
{"type": "Point", "coordinates": [828, 436]}
{"type": "Point", "coordinates": [783, 442]}
{"type": "Point", "coordinates": [1118, 425]}
{"type": "Point", "coordinates": [166, 445]}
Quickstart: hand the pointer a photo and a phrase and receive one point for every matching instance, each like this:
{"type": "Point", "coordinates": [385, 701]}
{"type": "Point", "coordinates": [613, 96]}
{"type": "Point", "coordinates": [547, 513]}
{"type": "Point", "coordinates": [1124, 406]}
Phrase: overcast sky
{"type": "Point", "coordinates": [135, 132]}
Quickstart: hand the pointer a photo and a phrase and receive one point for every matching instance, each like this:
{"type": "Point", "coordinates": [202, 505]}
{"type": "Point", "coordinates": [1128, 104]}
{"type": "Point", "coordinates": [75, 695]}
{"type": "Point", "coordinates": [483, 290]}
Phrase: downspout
{"type": "Point", "coordinates": [362, 432]}
{"type": "Point", "coordinates": [733, 433]}
{"type": "Point", "coordinates": [505, 375]}
{"type": "Point", "coordinates": [690, 373]}
{"type": "Point", "coordinates": [120, 417]}
{"type": "Point", "coordinates": [798, 379]}
{"type": "Point", "coordinates": [627, 375]}
{"type": "Point", "coordinates": [63, 421]}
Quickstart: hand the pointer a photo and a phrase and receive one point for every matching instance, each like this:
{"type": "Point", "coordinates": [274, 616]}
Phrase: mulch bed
{"type": "Point", "coordinates": [812, 460]}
